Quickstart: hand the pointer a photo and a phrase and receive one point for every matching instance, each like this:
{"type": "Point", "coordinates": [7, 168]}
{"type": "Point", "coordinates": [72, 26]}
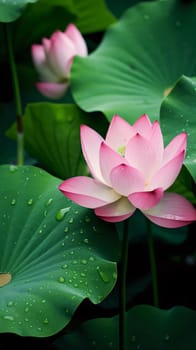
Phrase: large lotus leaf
{"type": "Point", "coordinates": [53, 254]}
{"type": "Point", "coordinates": [148, 328]}
{"type": "Point", "coordinates": [52, 136]}
{"type": "Point", "coordinates": [139, 60]}
{"type": "Point", "coordinates": [10, 10]}
{"type": "Point", "coordinates": [178, 114]}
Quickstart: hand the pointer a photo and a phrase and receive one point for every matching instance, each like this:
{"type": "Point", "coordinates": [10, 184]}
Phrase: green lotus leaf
{"type": "Point", "coordinates": [148, 328]}
{"type": "Point", "coordinates": [53, 254]}
{"type": "Point", "coordinates": [52, 136]}
{"type": "Point", "coordinates": [178, 114]}
{"type": "Point", "coordinates": [139, 60]}
{"type": "Point", "coordinates": [10, 10]}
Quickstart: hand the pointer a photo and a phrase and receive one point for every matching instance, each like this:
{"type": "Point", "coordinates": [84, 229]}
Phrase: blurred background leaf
{"type": "Point", "coordinates": [52, 136]}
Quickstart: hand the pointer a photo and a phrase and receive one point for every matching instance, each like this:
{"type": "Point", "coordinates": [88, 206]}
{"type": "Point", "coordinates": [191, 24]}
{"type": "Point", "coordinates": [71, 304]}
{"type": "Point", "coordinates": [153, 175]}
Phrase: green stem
{"type": "Point", "coordinates": [16, 90]}
{"type": "Point", "coordinates": [153, 266]}
{"type": "Point", "coordinates": [122, 292]}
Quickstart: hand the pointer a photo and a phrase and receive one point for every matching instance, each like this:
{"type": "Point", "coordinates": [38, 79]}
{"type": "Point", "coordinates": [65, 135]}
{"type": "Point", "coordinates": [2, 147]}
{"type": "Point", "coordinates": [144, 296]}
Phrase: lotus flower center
{"type": "Point", "coordinates": [121, 150]}
{"type": "Point", "coordinates": [5, 278]}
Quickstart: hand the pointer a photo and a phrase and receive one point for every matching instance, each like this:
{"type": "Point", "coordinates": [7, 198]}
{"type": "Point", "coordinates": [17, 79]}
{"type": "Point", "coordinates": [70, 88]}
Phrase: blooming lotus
{"type": "Point", "coordinates": [131, 170]}
{"type": "Point", "coordinates": [53, 60]}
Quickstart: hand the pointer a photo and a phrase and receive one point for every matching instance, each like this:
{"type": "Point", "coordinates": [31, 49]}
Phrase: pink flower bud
{"type": "Point", "coordinates": [53, 60]}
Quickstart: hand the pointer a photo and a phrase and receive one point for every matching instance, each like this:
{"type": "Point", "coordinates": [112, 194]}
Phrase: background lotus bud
{"type": "Point", "coordinates": [53, 60]}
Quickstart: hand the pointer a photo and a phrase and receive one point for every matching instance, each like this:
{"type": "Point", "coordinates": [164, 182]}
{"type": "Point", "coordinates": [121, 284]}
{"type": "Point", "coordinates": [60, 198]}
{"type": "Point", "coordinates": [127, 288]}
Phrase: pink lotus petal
{"type": "Point", "coordinates": [109, 159]}
{"type": "Point", "coordinates": [166, 176]}
{"type": "Point", "coordinates": [157, 139]}
{"type": "Point", "coordinates": [38, 55]}
{"type": "Point", "coordinates": [46, 43]}
{"type": "Point", "coordinates": [172, 211]}
{"type": "Point", "coordinates": [52, 90]}
{"type": "Point", "coordinates": [75, 36]}
{"type": "Point", "coordinates": [143, 126]}
{"type": "Point", "coordinates": [61, 50]}
{"type": "Point", "coordinates": [143, 155]}
{"type": "Point", "coordinates": [146, 200]}
{"type": "Point", "coordinates": [119, 133]}
{"type": "Point", "coordinates": [40, 63]}
{"type": "Point", "coordinates": [87, 192]}
{"type": "Point", "coordinates": [177, 145]}
{"type": "Point", "coordinates": [126, 179]}
{"type": "Point", "coordinates": [91, 143]}
{"type": "Point", "coordinates": [117, 211]}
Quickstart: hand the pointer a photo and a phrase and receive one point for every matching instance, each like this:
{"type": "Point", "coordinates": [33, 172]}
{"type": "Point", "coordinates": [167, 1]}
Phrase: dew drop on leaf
{"type": "Point", "coordinates": [103, 275]}
{"type": "Point", "coordinates": [8, 317]}
{"type": "Point", "coordinates": [61, 279]}
{"type": "Point", "coordinates": [49, 202]}
{"type": "Point", "coordinates": [84, 261]}
{"type": "Point", "coordinates": [61, 213]}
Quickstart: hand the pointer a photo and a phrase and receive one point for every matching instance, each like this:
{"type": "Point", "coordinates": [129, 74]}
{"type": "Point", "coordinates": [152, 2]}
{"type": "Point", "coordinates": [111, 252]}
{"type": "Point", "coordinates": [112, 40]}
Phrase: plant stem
{"type": "Point", "coordinates": [122, 291]}
{"type": "Point", "coordinates": [153, 266]}
{"type": "Point", "coordinates": [16, 90]}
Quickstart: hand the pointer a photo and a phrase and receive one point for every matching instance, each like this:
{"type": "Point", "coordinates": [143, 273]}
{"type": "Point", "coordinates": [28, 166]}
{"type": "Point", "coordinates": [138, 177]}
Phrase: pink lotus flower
{"type": "Point", "coordinates": [53, 60]}
{"type": "Point", "coordinates": [131, 170]}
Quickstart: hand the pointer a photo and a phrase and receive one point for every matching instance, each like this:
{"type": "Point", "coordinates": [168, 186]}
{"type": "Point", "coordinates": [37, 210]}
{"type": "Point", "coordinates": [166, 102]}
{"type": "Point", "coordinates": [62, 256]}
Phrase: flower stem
{"type": "Point", "coordinates": [16, 90]}
{"type": "Point", "coordinates": [153, 266]}
{"type": "Point", "coordinates": [122, 291]}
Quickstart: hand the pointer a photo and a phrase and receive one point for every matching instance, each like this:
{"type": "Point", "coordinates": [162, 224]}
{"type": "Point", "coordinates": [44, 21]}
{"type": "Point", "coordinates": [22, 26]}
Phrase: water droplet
{"type": "Point", "coordinates": [43, 301]}
{"type": "Point", "coordinates": [83, 274]}
{"type": "Point", "coordinates": [114, 275]}
{"type": "Point", "coordinates": [61, 279]}
{"type": "Point", "coordinates": [74, 262]}
{"type": "Point", "coordinates": [8, 317]}
{"type": "Point", "coordinates": [87, 219]}
{"type": "Point", "coordinates": [167, 337]}
{"type": "Point", "coordinates": [91, 258]}
{"type": "Point", "coordinates": [13, 201]}
{"type": "Point", "coordinates": [86, 240]}
{"type": "Point", "coordinates": [66, 229]}
{"type": "Point", "coordinates": [102, 274]}
{"type": "Point", "coordinates": [70, 221]}
{"type": "Point", "coordinates": [50, 200]}
{"type": "Point", "coordinates": [26, 309]}
{"type": "Point", "coordinates": [61, 213]}
{"type": "Point", "coordinates": [13, 168]}
{"type": "Point", "coordinates": [10, 303]}
{"type": "Point", "coordinates": [84, 261]}
{"type": "Point", "coordinates": [45, 321]}
{"type": "Point", "coordinates": [65, 266]}
{"type": "Point", "coordinates": [30, 201]}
